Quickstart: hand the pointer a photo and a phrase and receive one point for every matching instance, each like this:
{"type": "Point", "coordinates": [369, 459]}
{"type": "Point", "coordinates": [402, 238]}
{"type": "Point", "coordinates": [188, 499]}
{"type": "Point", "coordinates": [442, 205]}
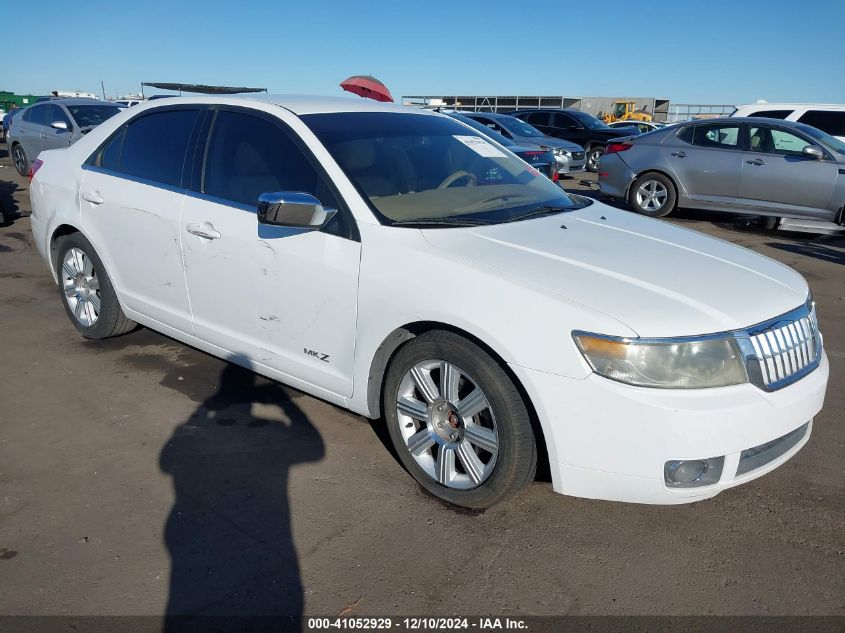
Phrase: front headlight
{"type": "Point", "coordinates": [669, 364]}
{"type": "Point", "coordinates": [559, 151]}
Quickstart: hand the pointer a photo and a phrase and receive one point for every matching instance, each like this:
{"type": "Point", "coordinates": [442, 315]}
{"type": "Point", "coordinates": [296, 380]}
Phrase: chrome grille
{"type": "Point", "coordinates": [787, 349]}
{"type": "Point", "coordinates": [577, 155]}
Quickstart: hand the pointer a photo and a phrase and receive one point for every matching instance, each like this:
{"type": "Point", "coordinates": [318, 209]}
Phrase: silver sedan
{"type": "Point", "coordinates": [766, 167]}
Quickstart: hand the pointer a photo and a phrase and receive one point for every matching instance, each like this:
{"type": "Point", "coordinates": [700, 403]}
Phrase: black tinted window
{"type": "Point", "coordinates": [772, 114]}
{"type": "Point", "coordinates": [831, 122]}
{"type": "Point", "coordinates": [37, 114]}
{"type": "Point", "coordinates": [91, 115]}
{"type": "Point", "coordinates": [537, 118]}
{"type": "Point", "coordinates": [154, 146]}
{"type": "Point", "coordinates": [249, 155]}
{"type": "Point", "coordinates": [109, 155]}
{"type": "Point", "coordinates": [686, 134]}
{"type": "Point", "coordinates": [564, 121]}
{"type": "Point", "coordinates": [57, 114]}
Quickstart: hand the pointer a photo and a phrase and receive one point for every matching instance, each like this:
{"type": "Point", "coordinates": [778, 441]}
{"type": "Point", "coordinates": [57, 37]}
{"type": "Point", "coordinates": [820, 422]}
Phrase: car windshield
{"type": "Point", "coordinates": [824, 138]}
{"type": "Point", "coordinates": [518, 127]}
{"type": "Point", "coordinates": [587, 120]}
{"type": "Point", "coordinates": [418, 169]}
{"type": "Point", "coordinates": [91, 115]}
{"type": "Point", "coordinates": [501, 140]}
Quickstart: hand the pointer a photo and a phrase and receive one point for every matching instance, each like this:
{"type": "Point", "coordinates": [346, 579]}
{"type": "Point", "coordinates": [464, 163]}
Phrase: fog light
{"type": "Point", "coordinates": [692, 473]}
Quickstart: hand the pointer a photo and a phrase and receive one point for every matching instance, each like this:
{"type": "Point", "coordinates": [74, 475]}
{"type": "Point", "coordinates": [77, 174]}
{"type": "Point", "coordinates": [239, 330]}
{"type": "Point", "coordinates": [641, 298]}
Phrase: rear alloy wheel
{"type": "Point", "coordinates": [20, 160]}
{"type": "Point", "coordinates": [457, 422]}
{"type": "Point", "coordinates": [87, 294]}
{"type": "Point", "coordinates": [594, 155]}
{"type": "Point", "coordinates": [652, 195]}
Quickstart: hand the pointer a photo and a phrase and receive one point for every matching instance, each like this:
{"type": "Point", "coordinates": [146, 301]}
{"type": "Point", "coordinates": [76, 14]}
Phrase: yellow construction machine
{"type": "Point", "coordinates": [626, 111]}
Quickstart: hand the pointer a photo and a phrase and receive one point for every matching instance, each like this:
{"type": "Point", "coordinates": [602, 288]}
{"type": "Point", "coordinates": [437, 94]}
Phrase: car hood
{"type": "Point", "coordinates": [656, 278]}
{"type": "Point", "coordinates": [548, 141]}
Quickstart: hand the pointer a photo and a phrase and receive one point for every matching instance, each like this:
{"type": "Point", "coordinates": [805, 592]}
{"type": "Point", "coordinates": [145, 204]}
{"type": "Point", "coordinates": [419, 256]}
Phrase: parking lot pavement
{"type": "Point", "coordinates": [140, 476]}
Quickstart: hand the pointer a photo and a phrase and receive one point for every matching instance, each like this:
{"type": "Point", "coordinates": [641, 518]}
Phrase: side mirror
{"type": "Point", "coordinates": [293, 209]}
{"type": "Point", "coordinates": [59, 125]}
{"type": "Point", "coordinates": [813, 151]}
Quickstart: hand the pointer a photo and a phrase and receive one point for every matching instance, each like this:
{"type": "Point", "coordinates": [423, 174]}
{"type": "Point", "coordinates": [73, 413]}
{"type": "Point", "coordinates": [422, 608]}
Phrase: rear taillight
{"type": "Point", "coordinates": [615, 148]}
{"type": "Point", "coordinates": [555, 176]}
{"type": "Point", "coordinates": [533, 153]}
{"type": "Point", "coordinates": [35, 167]}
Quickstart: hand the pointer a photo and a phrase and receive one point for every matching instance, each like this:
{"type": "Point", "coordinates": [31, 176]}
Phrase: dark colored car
{"type": "Point", "coordinates": [543, 160]}
{"type": "Point", "coordinates": [579, 127]}
{"type": "Point", "coordinates": [569, 156]}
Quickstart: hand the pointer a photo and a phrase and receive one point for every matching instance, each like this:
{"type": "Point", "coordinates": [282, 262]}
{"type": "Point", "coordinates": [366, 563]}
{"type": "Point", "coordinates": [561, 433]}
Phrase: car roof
{"type": "Point", "coordinates": [780, 106]}
{"type": "Point", "coordinates": [75, 101]}
{"type": "Point", "coordinates": [490, 115]}
{"type": "Point", "coordinates": [733, 120]}
{"type": "Point", "coordinates": [298, 104]}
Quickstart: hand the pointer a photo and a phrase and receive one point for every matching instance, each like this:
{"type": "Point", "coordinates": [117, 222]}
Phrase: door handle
{"type": "Point", "coordinates": [93, 197]}
{"type": "Point", "coordinates": [205, 230]}
{"type": "Point", "coordinates": [757, 162]}
{"type": "Point", "coordinates": [679, 154]}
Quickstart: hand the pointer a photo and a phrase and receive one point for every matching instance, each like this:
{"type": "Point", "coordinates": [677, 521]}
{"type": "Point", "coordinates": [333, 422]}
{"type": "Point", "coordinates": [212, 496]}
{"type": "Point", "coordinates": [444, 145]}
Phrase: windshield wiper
{"type": "Point", "coordinates": [539, 212]}
{"type": "Point", "coordinates": [447, 221]}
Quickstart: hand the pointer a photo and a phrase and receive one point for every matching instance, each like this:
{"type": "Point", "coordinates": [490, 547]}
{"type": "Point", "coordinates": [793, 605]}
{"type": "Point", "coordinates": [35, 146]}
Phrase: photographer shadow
{"type": "Point", "coordinates": [229, 531]}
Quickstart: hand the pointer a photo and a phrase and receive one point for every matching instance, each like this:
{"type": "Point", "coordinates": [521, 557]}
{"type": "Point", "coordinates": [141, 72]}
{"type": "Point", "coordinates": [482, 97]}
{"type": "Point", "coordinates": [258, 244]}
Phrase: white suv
{"type": "Point", "coordinates": [398, 263]}
{"type": "Point", "coordinates": [826, 117]}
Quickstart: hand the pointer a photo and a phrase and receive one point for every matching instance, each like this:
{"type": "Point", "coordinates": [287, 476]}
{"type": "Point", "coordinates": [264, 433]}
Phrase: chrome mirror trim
{"type": "Point", "coordinates": [293, 209]}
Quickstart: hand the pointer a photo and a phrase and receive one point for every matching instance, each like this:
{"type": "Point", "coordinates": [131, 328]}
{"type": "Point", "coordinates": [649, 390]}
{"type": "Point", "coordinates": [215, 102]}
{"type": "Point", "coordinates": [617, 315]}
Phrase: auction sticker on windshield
{"type": "Point", "coordinates": [480, 146]}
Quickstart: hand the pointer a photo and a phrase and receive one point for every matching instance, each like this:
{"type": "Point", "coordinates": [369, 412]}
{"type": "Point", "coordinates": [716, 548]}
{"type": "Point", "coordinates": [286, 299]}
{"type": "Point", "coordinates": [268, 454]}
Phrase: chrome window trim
{"type": "Point", "coordinates": [743, 338]}
{"type": "Point", "coordinates": [140, 181]}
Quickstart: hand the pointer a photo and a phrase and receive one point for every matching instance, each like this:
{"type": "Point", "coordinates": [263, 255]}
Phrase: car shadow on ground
{"type": "Point", "coordinates": [229, 531]}
{"type": "Point", "coordinates": [815, 249]}
{"type": "Point", "coordinates": [8, 205]}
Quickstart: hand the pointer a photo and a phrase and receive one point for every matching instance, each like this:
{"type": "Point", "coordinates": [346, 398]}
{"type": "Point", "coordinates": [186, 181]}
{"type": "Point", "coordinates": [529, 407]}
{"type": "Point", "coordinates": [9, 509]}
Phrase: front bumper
{"type": "Point", "coordinates": [607, 440]}
{"type": "Point", "coordinates": [570, 164]}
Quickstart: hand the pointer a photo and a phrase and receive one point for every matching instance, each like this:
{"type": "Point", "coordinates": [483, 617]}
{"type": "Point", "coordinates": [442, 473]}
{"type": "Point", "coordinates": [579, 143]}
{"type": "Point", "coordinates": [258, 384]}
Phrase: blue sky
{"type": "Point", "coordinates": [713, 51]}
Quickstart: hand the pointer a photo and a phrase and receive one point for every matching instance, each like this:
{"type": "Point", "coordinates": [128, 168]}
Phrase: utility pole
{"type": "Point", "coordinates": [103, 86]}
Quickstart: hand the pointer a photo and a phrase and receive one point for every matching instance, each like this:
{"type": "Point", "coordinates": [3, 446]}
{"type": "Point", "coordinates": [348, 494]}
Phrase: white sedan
{"type": "Point", "coordinates": [397, 263]}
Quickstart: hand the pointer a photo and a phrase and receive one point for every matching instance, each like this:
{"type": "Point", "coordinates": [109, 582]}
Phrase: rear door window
{"type": "Point", "coordinates": [718, 136]}
{"type": "Point", "coordinates": [37, 114]}
{"type": "Point", "coordinates": [827, 121]}
{"type": "Point", "coordinates": [155, 145]}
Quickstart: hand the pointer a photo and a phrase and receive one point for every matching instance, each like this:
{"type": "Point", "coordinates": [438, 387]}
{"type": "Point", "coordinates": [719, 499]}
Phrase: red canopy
{"type": "Point", "coordinates": [367, 86]}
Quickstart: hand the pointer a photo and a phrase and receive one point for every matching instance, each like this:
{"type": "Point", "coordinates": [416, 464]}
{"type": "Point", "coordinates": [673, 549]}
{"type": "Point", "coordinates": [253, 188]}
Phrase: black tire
{"type": "Point", "coordinates": [516, 457]}
{"type": "Point", "coordinates": [594, 154]}
{"type": "Point", "coordinates": [110, 320]}
{"type": "Point", "coordinates": [769, 222]}
{"type": "Point", "coordinates": [669, 200]}
{"type": "Point", "coordinates": [19, 159]}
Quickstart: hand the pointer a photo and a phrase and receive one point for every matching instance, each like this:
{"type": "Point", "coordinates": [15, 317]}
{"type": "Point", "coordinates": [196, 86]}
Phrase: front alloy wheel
{"type": "Point", "coordinates": [457, 421]}
{"type": "Point", "coordinates": [447, 424]}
